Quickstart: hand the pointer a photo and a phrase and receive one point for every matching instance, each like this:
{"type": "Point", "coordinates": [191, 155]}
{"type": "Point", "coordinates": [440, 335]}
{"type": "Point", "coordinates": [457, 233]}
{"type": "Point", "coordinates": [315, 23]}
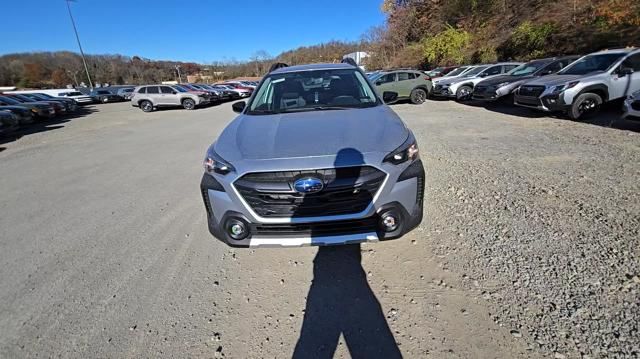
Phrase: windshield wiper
{"type": "Point", "coordinates": [315, 108]}
{"type": "Point", "coordinates": [263, 112]}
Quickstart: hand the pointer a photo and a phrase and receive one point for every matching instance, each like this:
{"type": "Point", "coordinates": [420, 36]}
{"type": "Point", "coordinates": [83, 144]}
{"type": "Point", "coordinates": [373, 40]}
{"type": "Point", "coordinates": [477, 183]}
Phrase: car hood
{"type": "Point", "coordinates": [554, 80]}
{"type": "Point", "coordinates": [15, 108]}
{"type": "Point", "coordinates": [502, 79]}
{"type": "Point", "coordinates": [313, 133]}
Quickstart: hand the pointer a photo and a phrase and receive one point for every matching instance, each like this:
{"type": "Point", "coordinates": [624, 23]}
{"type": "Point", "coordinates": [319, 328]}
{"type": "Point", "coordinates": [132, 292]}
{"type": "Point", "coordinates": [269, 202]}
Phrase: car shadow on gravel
{"type": "Point", "coordinates": [340, 301]}
{"type": "Point", "coordinates": [609, 116]}
{"type": "Point", "coordinates": [44, 125]}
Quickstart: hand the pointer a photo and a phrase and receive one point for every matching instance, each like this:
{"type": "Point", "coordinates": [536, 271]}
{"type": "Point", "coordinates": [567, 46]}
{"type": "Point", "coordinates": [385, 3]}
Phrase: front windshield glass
{"type": "Point", "coordinates": [9, 100]}
{"type": "Point", "coordinates": [527, 69]}
{"type": "Point", "coordinates": [457, 71]}
{"type": "Point", "coordinates": [591, 63]}
{"type": "Point", "coordinates": [313, 90]}
{"type": "Point", "coordinates": [180, 88]}
{"type": "Point", "coordinates": [475, 71]}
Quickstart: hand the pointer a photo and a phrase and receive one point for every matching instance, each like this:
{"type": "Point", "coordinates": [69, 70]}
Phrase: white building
{"type": "Point", "coordinates": [358, 57]}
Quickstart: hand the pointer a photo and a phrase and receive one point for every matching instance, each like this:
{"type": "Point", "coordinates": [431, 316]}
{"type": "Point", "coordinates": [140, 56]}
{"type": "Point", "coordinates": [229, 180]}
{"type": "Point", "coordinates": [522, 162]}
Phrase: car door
{"type": "Point", "coordinates": [621, 84]}
{"type": "Point", "coordinates": [386, 82]}
{"type": "Point", "coordinates": [168, 96]}
{"type": "Point", "coordinates": [404, 84]}
{"type": "Point", "coordinates": [153, 94]}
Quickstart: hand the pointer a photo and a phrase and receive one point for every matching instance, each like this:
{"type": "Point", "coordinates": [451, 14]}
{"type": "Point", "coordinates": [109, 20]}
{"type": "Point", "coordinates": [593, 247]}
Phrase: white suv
{"type": "Point", "coordinates": [582, 87]}
{"type": "Point", "coordinates": [150, 97]}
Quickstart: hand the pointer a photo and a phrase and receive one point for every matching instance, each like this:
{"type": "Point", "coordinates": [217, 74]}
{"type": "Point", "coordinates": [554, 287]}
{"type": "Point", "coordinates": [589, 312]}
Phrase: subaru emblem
{"type": "Point", "coordinates": [308, 185]}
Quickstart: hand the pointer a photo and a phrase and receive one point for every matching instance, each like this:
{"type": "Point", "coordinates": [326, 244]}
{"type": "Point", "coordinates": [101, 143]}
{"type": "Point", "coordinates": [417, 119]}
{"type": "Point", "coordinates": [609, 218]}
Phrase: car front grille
{"type": "Point", "coordinates": [318, 229]}
{"type": "Point", "coordinates": [531, 91]}
{"type": "Point", "coordinates": [347, 190]}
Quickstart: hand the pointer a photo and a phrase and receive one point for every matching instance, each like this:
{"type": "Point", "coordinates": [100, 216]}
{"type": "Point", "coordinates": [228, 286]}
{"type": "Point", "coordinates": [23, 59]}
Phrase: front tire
{"type": "Point", "coordinates": [105, 100]}
{"type": "Point", "coordinates": [585, 105]}
{"type": "Point", "coordinates": [418, 96]}
{"type": "Point", "coordinates": [464, 93]}
{"type": "Point", "coordinates": [146, 106]}
{"type": "Point", "coordinates": [188, 104]}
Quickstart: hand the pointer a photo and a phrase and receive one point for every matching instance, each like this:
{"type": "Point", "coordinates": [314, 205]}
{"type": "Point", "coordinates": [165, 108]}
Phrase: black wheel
{"type": "Point", "coordinates": [188, 104]}
{"type": "Point", "coordinates": [105, 100]}
{"type": "Point", "coordinates": [464, 93]}
{"type": "Point", "coordinates": [584, 106]}
{"type": "Point", "coordinates": [418, 96]}
{"type": "Point", "coordinates": [146, 106]}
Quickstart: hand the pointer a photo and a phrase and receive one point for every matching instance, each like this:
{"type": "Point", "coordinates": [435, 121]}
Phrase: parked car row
{"type": "Point", "coordinates": [189, 95]}
{"type": "Point", "coordinates": [19, 109]}
{"type": "Point", "coordinates": [574, 85]}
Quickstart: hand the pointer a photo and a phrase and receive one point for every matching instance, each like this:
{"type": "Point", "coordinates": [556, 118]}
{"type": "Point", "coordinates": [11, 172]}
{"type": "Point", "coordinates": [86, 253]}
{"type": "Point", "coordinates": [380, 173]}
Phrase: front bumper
{"type": "Point", "coordinates": [547, 103]}
{"type": "Point", "coordinates": [490, 93]}
{"type": "Point", "coordinates": [440, 91]}
{"type": "Point", "coordinates": [401, 194]}
{"type": "Point", "coordinates": [631, 109]}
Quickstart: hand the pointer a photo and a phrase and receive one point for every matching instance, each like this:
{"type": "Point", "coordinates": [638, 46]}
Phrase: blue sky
{"type": "Point", "coordinates": [184, 30]}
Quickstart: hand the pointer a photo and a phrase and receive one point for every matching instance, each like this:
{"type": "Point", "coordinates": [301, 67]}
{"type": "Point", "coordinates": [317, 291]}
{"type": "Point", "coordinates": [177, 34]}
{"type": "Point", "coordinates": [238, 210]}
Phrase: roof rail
{"type": "Point", "coordinates": [350, 61]}
{"type": "Point", "coordinates": [277, 65]}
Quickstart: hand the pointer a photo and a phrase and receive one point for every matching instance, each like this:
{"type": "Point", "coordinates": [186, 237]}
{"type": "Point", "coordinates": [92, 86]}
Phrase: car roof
{"type": "Point", "coordinates": [311, 67]}
{"type": "Point", "coordinates": [626, 50]}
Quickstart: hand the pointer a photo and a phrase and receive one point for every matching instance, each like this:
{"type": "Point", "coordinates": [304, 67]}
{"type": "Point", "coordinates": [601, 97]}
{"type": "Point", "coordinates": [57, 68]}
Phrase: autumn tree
{"type": "Point", "coordinates": [60, 78]}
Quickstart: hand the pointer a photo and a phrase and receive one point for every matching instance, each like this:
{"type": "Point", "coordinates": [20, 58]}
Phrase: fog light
{"type": "Point", "coordinates": [389, 222]}
{"type": "Point", "coordinates": [237, 229]}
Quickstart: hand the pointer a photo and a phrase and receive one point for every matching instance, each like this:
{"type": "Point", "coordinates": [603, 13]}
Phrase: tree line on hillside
{"type": "Point", "coordinates": [425, 33]}
{"type": "Point", "coordinates": [416, 33]}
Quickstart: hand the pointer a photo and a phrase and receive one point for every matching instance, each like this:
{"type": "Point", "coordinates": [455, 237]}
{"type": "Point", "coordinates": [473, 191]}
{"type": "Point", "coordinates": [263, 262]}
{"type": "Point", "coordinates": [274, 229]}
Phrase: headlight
{"type": "Point", "coordinates": [214, 163]}
{"type": "Point", "coordinates": [408, 151]}
{"type": "Point", "coordinates": [565, 86]}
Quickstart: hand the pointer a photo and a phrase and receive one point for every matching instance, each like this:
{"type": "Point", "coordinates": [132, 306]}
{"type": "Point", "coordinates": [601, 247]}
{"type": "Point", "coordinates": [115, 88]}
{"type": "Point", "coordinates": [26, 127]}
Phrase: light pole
{"type": "Point", "coordinates": [86, 68]}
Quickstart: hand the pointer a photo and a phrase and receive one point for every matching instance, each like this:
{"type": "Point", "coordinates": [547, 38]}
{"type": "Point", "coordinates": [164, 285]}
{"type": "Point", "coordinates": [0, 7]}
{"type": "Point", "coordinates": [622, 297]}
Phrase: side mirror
{"type": "Point", "coordinates": [484, 74]}
{"type": "Point", "coordinates": [389, 96]}
{"type": "Point", "coordinates": [378, 83]}
{"type": "Point", "coordinates": [239, 106]}
{"type": "Point", "coordinates": [624, 71]}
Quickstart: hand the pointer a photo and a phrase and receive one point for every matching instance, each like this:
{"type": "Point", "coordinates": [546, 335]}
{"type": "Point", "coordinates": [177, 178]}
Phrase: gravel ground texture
{"type": "Point", "coordinates": [529, 247]}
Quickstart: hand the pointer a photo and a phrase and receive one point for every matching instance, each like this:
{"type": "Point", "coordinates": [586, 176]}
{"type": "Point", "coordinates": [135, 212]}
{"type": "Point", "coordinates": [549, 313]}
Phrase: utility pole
{"type": "Point", "coordinates": [86, 68]}
{"type": "Point", "coordinates": [179, 77]}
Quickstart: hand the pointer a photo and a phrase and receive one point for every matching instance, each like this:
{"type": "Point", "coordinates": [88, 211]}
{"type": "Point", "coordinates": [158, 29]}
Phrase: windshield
{"type": "Point", "coordinates": [36, 96]}
{"type": "Point", "coordinates": [592, 63]}
{"type": "Point", "coordinates": [457, 71]}
{"type": "Point", "coordinates": [44, 95]}
{"type": "Point", "coordinates": [377, 75]}
{"type": "Point", "coordinates": [313, 90]}
{"type": "Point", "coordinates": [527, 69]}
{"type": "Point", "coordinates": [179, 88]}
{"type": "Point", "coordinates": [9, 100]}
{"type": "Point", "coordinates": [475, 71]}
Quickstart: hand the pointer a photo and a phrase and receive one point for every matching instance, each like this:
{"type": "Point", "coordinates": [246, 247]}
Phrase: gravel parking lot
{"type": "Point", "coordinates": [529, 247]}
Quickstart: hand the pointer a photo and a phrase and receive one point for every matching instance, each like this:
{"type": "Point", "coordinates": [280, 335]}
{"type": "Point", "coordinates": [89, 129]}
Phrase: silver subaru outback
{"type": "Point", "coordinates": [314, 158]}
